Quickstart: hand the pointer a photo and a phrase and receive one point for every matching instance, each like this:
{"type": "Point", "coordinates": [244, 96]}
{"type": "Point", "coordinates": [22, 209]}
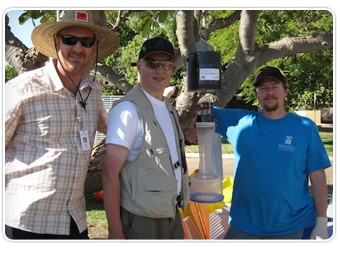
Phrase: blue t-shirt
{"type": "Point", "coordinates": [272, 159]}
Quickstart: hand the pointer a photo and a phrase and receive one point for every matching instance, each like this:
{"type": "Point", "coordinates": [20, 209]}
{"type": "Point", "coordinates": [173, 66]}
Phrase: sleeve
{"type": "Point", "coordinates": [102, 119]}
{"type": "Point", "coordinates": [317, 157]}
{"type": "Point", "coordinates": [123, 124]}
{"type": "Point", "coordinates": [13, 112]}
{"type": "Point", "coordinates": [227, 117]}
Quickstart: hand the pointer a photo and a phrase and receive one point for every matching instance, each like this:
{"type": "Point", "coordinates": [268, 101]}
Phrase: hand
{"type": "Point", "coordinates": [320, 230]}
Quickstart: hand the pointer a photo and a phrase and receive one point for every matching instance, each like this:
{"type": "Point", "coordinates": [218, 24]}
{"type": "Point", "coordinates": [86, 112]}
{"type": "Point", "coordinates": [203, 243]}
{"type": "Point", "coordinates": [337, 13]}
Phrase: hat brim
{"type": "Point", "coordinates": [43, 41]}
{"type": "Point", "coordinates": [161, 52]}
{"type": "Point", "coordinates": [256, 83]}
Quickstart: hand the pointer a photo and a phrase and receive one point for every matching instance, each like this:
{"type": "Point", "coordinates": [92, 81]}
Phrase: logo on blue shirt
{"type": "Point", "coordinates": [287, 146]}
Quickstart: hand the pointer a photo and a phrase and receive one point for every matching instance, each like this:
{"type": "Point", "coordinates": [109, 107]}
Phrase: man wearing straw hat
{"type": "Point", "coordinates": [51, 120]}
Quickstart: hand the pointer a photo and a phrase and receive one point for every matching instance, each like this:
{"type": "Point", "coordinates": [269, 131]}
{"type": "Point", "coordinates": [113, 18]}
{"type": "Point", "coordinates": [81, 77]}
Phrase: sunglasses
{"type": "Point", "coordinates": [155, 64]}
{"type": "Point", "coordinates": [71, 40]}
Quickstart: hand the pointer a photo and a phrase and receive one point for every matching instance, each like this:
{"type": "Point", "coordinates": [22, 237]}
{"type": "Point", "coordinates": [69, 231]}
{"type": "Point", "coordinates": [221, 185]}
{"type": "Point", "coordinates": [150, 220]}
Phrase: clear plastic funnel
{"type": "Point", "coordinates": [206, 185]}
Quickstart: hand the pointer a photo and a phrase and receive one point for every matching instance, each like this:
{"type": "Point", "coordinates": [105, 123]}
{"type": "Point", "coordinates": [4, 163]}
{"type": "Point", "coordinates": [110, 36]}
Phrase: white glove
{"type": "Point", "coordinates": [320, 230]}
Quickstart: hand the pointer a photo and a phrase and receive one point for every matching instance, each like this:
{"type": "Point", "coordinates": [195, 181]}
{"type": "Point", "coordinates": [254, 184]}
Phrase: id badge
{"type": "Point", "coordinates": [85, 140]}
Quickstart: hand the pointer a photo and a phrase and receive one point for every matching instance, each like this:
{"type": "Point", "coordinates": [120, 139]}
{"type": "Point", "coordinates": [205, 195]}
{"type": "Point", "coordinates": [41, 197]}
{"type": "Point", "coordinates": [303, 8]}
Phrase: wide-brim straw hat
{"type": "Point", "coordinates": [43, 35]}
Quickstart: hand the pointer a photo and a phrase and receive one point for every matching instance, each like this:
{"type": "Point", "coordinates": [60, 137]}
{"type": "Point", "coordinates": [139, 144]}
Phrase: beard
{"type": "Point", "coordinates": [75, 63]}
{"type": "Point", "coordinates": [270, 107]}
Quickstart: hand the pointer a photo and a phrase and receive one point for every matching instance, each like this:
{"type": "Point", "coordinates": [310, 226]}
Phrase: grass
{"type": "Point", "coordinates": [94, 209]}
{"type": "Point", "coordinates": [327, 139]}
{"type": "Point", "coordinates": [226, 148]}
{"type": "Point", "coordinates": [96, 217]}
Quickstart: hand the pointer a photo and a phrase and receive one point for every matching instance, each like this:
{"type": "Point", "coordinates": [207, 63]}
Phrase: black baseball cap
{"type": "Point", "coordinates": [156, 45]}
{"type": "Point", "coordinates": [270, 72]}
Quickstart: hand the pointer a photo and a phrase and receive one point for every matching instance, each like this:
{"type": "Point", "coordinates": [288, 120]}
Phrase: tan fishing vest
{"type": "Point", "coordinates": [148, 184]}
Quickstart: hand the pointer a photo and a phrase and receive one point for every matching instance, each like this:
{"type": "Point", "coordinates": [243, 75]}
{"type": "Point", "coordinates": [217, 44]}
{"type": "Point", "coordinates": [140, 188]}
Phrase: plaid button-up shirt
{"type": "Point", "coordinates": [45, 163]}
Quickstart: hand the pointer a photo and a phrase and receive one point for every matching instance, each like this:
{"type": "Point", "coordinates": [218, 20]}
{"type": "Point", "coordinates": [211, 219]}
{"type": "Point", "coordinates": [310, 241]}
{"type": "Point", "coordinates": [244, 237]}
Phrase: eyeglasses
{"type": "Point", "coordinates": [155, 64]}
{"type": "Point", "coordinates": [71, 40]}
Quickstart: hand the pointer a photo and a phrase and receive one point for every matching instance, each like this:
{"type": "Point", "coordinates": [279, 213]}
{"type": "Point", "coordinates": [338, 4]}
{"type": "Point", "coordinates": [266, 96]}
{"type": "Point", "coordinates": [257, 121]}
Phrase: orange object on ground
{"type": "Point", "coordinates": [98, 196]}
{"type": "Point", "coordinates": [207, 220]}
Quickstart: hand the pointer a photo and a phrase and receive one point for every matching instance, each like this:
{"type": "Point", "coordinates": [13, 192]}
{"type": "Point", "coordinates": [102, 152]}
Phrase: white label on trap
{"type": "Point", "coordinates": [209, 74]}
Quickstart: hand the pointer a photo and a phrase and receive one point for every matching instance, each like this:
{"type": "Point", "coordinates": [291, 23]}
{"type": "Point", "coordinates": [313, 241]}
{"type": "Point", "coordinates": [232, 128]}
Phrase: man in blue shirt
{"type": "Point", "coordinates": [275, 151]}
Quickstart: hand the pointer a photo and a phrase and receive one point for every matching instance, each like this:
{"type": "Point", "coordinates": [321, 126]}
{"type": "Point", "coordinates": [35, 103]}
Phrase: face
{"type": "Point", "coordinates": [271, 95]}
{"type": "Point", "coordinates": [76, 58]}
{"type": "Point", "coordinates": [155, 73]}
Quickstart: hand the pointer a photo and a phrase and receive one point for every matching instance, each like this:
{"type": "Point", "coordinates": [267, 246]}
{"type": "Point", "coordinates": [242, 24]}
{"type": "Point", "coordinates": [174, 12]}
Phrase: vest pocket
{"type": "Point", "coordinates": [158, 202]}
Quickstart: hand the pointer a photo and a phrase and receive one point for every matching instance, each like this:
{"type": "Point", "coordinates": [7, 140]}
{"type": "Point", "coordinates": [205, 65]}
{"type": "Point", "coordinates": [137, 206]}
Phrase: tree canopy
{"type": "Point", "coordinates": [300, 42]}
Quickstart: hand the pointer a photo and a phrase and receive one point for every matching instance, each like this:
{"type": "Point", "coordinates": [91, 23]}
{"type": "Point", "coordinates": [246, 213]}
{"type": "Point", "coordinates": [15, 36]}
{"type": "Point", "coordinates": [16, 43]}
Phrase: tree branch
{"type": "Point", "coordinates": [118, 81]}
{"type": "Point", "coordinates": [292, 46]}
{"type": "Point", "coordinates": [219, 24]}
{"type": "Point", "coordinates": [122, 17]}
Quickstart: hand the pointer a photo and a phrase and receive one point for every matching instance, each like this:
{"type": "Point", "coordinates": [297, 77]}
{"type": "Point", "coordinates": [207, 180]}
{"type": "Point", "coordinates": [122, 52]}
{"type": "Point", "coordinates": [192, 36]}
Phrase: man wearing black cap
{"type": "Point", "coordinates": [145, 179]}
{"type": "Point", "coordinates": [275, 151]}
